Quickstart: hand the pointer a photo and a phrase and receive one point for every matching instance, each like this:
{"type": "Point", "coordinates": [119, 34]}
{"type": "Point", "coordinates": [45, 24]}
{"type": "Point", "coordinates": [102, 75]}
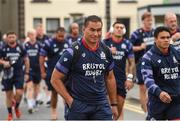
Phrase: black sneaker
{"type": "Point", "coordinates": [48, 104]}
{"type": "Point", "coordinates": [30, 111]}
{"type": "Point", "coordinates": [40, 102]}
{"type": "Point", "coordinates": [25, 100]}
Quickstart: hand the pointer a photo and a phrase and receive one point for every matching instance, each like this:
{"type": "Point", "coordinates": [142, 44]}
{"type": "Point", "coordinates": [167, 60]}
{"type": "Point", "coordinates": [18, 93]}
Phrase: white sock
{"type": "Point", "coordinates": [39, 96]}
{"type": "Point", "coordinates": [30, 103]}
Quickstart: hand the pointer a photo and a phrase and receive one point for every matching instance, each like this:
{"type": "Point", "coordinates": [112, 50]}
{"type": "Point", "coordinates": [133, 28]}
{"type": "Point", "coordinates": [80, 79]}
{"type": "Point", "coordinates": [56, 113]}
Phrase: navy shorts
{"type": "Point", "coordinates": [82, 111]}
{"type": "Point", "coordinates": [139, 79]}
{"type": "Point", "coordinates": [121, 91]}
{"type": "Point", "coordinates": [35, 77]}
{"type": "Point", "coordinates": [8, 84]}
{"type": "Point", "coordinates": [48, 82]}
{"type": "Point", "coordinates": [162, 111]}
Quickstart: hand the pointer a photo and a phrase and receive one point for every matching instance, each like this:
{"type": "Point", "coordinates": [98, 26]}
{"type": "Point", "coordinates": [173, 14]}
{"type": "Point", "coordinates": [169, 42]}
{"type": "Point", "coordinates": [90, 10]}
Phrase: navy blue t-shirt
{"type": "Point", "coordinates": [14, 54]}
{"type": "Point", "coordinates": [138, 37]}
{"type": "Point", "coordinates": [42, 40]}
{"type": "Point", "coordinates": [53, 50]}
{"type": "Point", "coordinates": [124, 51]}
{"type": "Point", "coordinates": [71, 39]}
{"type": "Point", "coordinates": [161, 72]}
{"type": "Point", "coordinates": [176, 44]}
{"type": "Point", "coordinates": [88, 77]}
{"type": "Point", "coordinates": [33, 51]}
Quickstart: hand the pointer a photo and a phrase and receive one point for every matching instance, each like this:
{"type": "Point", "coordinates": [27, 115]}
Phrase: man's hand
{"type": "Point", "coordinates": [6, 64]}
{"type": "Point", "coordinates": [69, 102]}
{"type": "Point", "coordinates": [115, 112]}
{"type": "Point", "coordinates": [128, 85]}
{"type": "Point", "coordinates": [113, 50]}
{"type": "Point", "coordinates": [143, 46]}
{"type": "Point", "coordinates": [176, 36]}
{"type": "Point", "coordinates": [165, 97]}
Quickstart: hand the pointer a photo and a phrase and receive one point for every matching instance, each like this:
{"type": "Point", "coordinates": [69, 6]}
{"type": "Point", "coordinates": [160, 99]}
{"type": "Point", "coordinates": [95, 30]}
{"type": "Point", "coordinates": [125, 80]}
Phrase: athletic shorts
{"type": "Point", "coordinates": [121, 91]}
{"type": "Point", "coordinates": [139, 79]}
{"type": "Point", "coordinates": [163, 111]}
{"type": "Point", "coordinates": [82, 111]}
{"type": "Point", "coordinates": [35, 77]}
{"type": "Point", "coordinates": [48, 82]}
{"type": "Point", "coordinates": [17, 82]}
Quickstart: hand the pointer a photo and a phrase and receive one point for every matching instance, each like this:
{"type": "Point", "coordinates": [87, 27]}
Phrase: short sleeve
{"type": "Point", "coordinates": [65, 62]}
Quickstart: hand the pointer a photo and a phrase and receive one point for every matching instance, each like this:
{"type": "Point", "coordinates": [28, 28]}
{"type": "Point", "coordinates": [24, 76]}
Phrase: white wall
{"type": "Point", "coordinates": [62, 9]}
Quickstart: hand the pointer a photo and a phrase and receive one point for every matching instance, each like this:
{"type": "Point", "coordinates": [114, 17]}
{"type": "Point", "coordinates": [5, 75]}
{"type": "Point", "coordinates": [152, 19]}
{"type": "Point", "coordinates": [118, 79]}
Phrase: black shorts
{"type": "Point", "coordinates": [35, 77]}
{"type": "Point", "coordinates": [121, 91]}
{"type": "Point", "coordinates": [139, 79]}
{"type": "Point", "coordinates": [48, 82]}
{"type": "Point", "coordinates": [162, 111]}
{"type": "Point", "coordinates": [81, 111]}
{"type": "Point", "coordinates": [17, 82]}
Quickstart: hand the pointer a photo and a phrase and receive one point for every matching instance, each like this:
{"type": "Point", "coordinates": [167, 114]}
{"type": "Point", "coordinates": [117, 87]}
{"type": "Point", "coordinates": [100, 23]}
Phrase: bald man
{"type": "Point", "coordinates": [74, 33]}
{"type": "Point", "coordinates": [170, 21]}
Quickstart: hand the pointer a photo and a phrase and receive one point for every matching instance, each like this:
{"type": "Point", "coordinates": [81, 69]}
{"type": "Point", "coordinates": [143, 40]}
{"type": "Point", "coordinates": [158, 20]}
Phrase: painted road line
{"type": "Point", "coordinates": [133, 108]}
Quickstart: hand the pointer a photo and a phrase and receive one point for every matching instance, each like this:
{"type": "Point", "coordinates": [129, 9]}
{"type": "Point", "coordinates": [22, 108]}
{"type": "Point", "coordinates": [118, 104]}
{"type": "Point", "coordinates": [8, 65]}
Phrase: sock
{"type": "Point", "coordinates": [9, 110]}
{"type": "Point", "coordinates": [30, 103]}
{"type": "Point", "coordinates": [39, 97]}
{"type": "Point", "coordinates": [17, 105]}
{"type": "Point", "coordinates": [49, 98]}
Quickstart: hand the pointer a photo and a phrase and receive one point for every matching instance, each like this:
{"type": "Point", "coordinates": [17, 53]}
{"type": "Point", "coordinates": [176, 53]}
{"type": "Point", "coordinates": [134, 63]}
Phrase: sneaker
{"type": "Point", "coordinates": [18, 113]}
{"type": "Point", "coordinates": [48, 104]}
{"type": "Point", "coordinates": [30, 111]}
{"type": "Point", "coordinates": [40, 102]}
{"type": "Point", "coordinates": [10, 117]}
{"type": "Point", "coordinates": [25, 100]}
{"type": "Point", "coordinates": [35, 107]}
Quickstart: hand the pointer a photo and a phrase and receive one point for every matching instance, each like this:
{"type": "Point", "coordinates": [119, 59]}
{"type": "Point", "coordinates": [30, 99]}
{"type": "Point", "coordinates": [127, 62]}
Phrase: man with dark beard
{"type": "Point", "coordinates": [13, 57]}
{"type": "Point", "coordinates": [52, 49]}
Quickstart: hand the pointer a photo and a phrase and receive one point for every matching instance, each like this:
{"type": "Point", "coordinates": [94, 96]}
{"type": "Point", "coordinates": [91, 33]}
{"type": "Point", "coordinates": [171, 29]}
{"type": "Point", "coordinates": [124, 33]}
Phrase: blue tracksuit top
{"type": "Point", "coordinates": [161, 72]}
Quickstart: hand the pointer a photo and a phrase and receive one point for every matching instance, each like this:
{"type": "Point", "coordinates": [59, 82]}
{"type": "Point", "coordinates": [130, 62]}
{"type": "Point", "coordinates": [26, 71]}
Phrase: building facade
{"type": "Point", "coordinates": [26, 14]}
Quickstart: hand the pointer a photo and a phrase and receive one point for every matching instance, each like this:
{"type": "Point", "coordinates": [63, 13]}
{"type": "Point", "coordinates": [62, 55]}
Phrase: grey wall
{"type": "Point", "coordinates": [8, 15]}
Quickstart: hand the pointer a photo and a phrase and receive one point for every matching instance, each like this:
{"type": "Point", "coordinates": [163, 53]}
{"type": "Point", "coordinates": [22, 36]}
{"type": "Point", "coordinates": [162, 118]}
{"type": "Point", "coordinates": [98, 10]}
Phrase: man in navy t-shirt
{"type": "Point", "coordinates": [41, 36]}
{"type": "Point", "coordinates": [53, 50]}
{"type": "Point", "coordinates": [171, 22]}
{"type": "Point", "coordinates": [13, 57]}
{"type": "Point", "coordinates": [122, 50]}
{"type": "Point", "coordinates": [33, 84]}
{"type": "Point", "coordinates": [142, 40]}
{"type": "Point", "coordinates": [85, 94]}
{"type": "Point", "coordinates": [161, 72]}
{"type": "Point", "coordinates": [74, 34]}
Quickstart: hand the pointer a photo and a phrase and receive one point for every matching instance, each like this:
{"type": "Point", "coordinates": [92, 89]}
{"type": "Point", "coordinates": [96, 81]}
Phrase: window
{"type": "Point", "coordinates": [51, 25]}
{"type": "Point", "coordinates": [37, 21]}
{"type": "Point", "coordinates": [127, 1]}
{"type": "Point", "coordinates": [40, 1]}
{"type": "Point", "coordinates": [87, 1]}
{"type": "Point", "coordinates": [66, 23]}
